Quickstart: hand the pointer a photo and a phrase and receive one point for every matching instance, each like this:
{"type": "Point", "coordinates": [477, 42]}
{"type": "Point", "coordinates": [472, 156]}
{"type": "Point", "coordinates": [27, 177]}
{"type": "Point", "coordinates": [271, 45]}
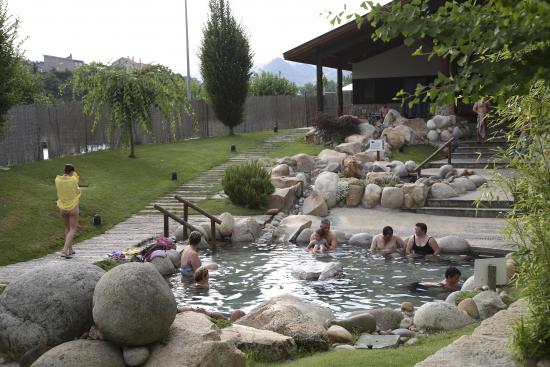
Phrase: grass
{"type": "Point", "coordinates": [107, 264]}
{"type": "Point", "coordinates": [401, 357]}
{"type": "Point", "coordinates": [30, 226]}
{"type": "Point", "coordinates": [416, 153]}
{"type": "Point", "coordinates": [466, 294]}
{"type": "Point", "coordinates": [296, 147]}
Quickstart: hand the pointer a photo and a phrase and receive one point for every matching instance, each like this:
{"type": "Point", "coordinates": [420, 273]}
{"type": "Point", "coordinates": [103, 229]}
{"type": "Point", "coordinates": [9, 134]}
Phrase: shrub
{"type": "Point", "coordinates": [332, 128]}
{"type": "Point", "coordinates": [342, 191]}
{"type": "Point", "coordinates": [248, 185]}
{"type": "Point", "coordinates": [357, 183]}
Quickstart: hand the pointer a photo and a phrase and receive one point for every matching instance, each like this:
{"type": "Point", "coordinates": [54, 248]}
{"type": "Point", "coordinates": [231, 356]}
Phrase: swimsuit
{"type": "Point", "coordinates": [320, 243]}
{"type": "Point", "coordinates": [423, 250]}
{"type": "Point", "coordinates": [187, 269]}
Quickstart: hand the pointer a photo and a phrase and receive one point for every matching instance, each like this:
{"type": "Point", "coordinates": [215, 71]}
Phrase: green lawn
{"type": "Point", "coordinates": [401, 357]}
{"type": "Point", "coordinates": [416, 153]}
{"type": "Point", "coordinates": [297, 147]}
{"type": "Point", "coordinates": [30, 226]}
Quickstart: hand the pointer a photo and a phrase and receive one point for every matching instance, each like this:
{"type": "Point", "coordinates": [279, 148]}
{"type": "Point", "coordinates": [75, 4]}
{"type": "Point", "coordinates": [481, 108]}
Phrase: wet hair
{"type": "Point", "coordinates": [325, 221]}
{"type": "Point", "coordinates": [201, 274]}
{"type": "Point", "coordinates": [320, 232]}
{"type": "Point", "coordinates": [451, 272]}
{"type": "Point", "coordinates": [387, 230]}
{"type": "Point", "coordinates": [422, 226]}
{"type": "Point", "coordinates": [195, 238]}
{"type": "Point", "coordinates": [69, 168]}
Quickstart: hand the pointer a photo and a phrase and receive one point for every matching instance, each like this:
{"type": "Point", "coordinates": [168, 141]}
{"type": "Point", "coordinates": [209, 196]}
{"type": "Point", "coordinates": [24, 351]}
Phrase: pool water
{"type": "Point", "coordinates": [252, 273]}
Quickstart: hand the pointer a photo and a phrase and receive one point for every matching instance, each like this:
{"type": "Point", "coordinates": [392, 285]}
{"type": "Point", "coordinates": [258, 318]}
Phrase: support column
{"type": "Point", "coordinates": [320, 102]}
{"type": "Point", "coordinates": [339, 93]}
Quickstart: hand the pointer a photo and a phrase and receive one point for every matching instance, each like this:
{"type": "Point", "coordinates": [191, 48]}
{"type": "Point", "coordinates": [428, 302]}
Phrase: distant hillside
{"type": "Point", "coordinates": [296, 72]}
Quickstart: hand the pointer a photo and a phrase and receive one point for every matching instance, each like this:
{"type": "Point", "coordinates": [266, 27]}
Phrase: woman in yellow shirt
{"type": "Point", "coordinates": [68, 197]}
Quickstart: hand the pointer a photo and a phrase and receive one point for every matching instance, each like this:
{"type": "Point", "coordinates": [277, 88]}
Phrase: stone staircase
{"type": "Point", "coordinates": [204, 186]}
{"type": "Point", "coordinates": [471, 154]}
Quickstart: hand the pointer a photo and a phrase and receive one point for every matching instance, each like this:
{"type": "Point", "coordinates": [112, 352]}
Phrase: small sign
{"type": "Point", "coordinates": [377, 145]}
{"type": "Point", "coordinates": [481, 269]}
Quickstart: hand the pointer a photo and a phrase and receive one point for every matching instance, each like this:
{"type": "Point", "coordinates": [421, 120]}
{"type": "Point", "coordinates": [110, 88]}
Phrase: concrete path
{"type": "Point", "coordinates": [146, 225]}
{"type": "Point", "coordinates": [487, 346]}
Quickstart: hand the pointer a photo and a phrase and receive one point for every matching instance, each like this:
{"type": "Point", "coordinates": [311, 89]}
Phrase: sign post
{"type": "Point", "coordinates": [378, 146]}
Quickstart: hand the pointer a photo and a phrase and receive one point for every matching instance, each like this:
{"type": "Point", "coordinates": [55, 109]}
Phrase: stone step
{"type": "Point", "coordinates": [463, 212]}
{"type": "Point", "coordinates": [458, 203]}
{"type": "Point", "coordinates": [468, 163]}
{"type": "Point", "coordinates": [472, 155]}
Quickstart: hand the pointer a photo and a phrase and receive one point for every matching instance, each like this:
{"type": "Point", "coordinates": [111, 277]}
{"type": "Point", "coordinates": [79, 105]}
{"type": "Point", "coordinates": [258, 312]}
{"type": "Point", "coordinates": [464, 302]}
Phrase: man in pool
{"type": "Point", "coordinates": [329, 236]}
{"type": "Point", "coordinates": [450, 283]}
{"type": "Point", "coordinates": [386, 242]}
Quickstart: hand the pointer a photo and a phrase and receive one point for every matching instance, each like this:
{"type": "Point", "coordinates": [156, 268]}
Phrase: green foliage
{"type": "Point", "coordinates": [528, 225]}
{"type": "Point", "coordinates": [332, 128]}
{"type": "Point", "coordinates": [465, 294]}
{"type": "Point", "coordinates": [269, 84]}
{"type": "Point", "coordinates": [226, 61]}
{"type": "Point", "coordinates": [129, 95]}
{"type": "Point", "coordinates": [107, 264]}
{"type": "Point", "coordinates": [221, 323]}
{"type": "Point", "coordinates": [357, 183]}
{"type": "Point", "coordinates": [417, 153]}
{"type": "Point", "coordinates": [17, 83]}
{"type": "Point", "coordinates": [307, 90]}
{"type": "Point", "coordinates": [342, 191]}
{"type": "Point", "coordinates": [55, 84]}
{"type": "Point", "coordinates": [248, 184]}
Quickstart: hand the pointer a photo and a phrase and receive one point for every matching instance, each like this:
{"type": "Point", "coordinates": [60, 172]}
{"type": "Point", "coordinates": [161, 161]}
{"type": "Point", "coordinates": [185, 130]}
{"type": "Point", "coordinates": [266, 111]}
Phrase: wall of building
{"type": "Point", "coordinates": [59, 63]}
{"type": "Point", "coordinates": [396, 62]}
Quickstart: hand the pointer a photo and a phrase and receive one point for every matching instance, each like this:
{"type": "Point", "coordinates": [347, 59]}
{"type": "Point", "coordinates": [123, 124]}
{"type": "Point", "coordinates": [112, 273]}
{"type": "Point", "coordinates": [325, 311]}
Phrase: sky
{"type": "Point", "coordinates": [154, 31]}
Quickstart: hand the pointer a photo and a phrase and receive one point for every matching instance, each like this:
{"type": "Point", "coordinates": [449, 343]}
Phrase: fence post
{"type": "Point", "coordinates": [166, 234]}
{"type": "Point", "coordinates": [213, 231]}
{"type": "Point", "coordinates": [449, 153]}
{"type": "Point", "coordinates": [492, 277]}
{"type": "Point", "coordinates": [185, 218]}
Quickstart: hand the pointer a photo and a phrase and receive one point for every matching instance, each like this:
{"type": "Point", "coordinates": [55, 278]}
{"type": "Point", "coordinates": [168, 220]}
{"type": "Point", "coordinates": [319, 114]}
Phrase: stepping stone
{"type": "Point", "coordinates": [377, 341]}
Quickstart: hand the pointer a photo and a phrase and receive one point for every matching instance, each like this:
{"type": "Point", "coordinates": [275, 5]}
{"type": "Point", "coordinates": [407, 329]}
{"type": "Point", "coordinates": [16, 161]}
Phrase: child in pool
{"type": "Point", "coordinates": [201, 278]}
{"type": "Point", "coordinates": [318, 243]}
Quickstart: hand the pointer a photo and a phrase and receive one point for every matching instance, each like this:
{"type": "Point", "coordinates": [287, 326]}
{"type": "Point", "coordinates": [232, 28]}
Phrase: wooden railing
{"type": "Point", "coordinates": [427, 160]}
{"type": "Point", "coordinates": [213, 220]}
{"type": "Point", "coordinates": [167, 214]}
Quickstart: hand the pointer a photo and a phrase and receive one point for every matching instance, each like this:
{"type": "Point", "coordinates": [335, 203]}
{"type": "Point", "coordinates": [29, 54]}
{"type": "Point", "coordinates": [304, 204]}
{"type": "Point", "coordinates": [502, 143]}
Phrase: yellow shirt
{"type": "Point", "coordinates": [68, 192]}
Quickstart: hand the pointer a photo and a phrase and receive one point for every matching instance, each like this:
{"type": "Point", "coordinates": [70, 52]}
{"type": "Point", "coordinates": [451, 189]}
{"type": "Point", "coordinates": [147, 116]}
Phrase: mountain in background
{"type": "Point", "coordinates": [297, 72]}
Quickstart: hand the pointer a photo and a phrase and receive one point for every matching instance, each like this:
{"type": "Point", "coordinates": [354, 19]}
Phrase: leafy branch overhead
{"type": "Point", "coordinates": [128, 95]}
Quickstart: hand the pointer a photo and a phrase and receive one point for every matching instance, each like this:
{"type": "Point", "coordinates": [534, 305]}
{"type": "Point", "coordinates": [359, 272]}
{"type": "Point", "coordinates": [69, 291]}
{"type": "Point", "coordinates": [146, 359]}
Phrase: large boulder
{"type": "Point", "coordinates": [395, 138]}
{"type": "Point", "coordinates": [304, 163]}
{"type": "Point", "coordinates": [338, 334]}
{"type": "Point", "coordinates": [284, 182]}
{"type": "Point", "coordinates": [446, 170]}
{"type": "Point", "coordinates": [331, 270]}
{"type": "Point", "coordinates": [355, 195]}
{"type": "Point", "coordinates": [280, 170]}
{"type": "Point", "coordinates": [358, 138]}
{"type": "Point", "coordinates": [246, 230]}
{"type": "Point", "coordinates": [290, 227]}
{"type": "Point", "coordinates": [392, 197]}
{"type": "Point", "coordinates": [488, 303]}
{"type": "Point", "coordinates": [401, 170]}
{"type": "Point", "coordinates": [453, 244]}
{"type": "Point", "coordinates": [382, 178]}
{"type": "Point", "coordinates": [469, 284]}
{"type": "Point", "coordinates": [433, 136]}
{"type": "Point", "coordinates": [366, 130]}
{"type": "Point", "coordinates": [372, 195]}
{"type": "Point", "coordinates": [228, 222]}
{"type": "Point", "coordinates": [327, 184]}
{"type": "Point", "coordinates": [315, 204]}
{"type": "Point", "coordinates": [459, 186]}
{"type": "Point", "coordinates": [264, 345]}
{"type": "Point", "coordinates": [282, 199]}
{"type": "Point", "coordinates": [361, 239]}
{"type": "Point", "coordinates": [47, 306]}
{"type": "Point", "coordinates": [133, 305]}
{"type": "Point", "coordinates": [386, 318]}
{"type": "Point", "coordinates": [136, 356]}
{"type": "Point", "coordinates": [304, 236]}
{"type": "Point", "coordinates": [352, 168]}
{"type": "Point", "coordinates": [330, 155]}
{"type": "Point", "coordinates": [411, 166]}
{"type": "Point", "coordinates": [193, 341]}
{"type": "Point", "coordinates": [445, 135]}
{"type": "Point", "coordinates": [407, 132]}
{"type": "Point", "coordinates": [442, 122]}
{"type": "Point", "coordinates": [164, 265]}
{"type": "Point", "coordinates": [291, 316]}
{"type": "Point", "coordinates": [349, 148]}
{"type": "Point", "coordinates": [469, 306]}
{"type": "Point", "coordinates": [415, 195]}
{"type": "Point", "coordinates": [317, 271]}
{"type": "Point", "coordinates": [418, 126]}
{"type": "Point", "coordinates": [361, 322]}
{"type": "Point", "coordinates": [82, 353]}
{"type": "Point", "coordinates": [368, 156]}
{"type": "Point", "coordinates": [440, 316]}
{"type": "Point", "coordinates": [478, 180]}
{"type": "Point", "coordinates": [440, 190]}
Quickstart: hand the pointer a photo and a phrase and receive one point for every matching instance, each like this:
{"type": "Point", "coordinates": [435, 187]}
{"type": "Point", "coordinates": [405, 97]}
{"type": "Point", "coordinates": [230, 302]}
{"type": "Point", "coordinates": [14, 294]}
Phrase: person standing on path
{"type": "Point", "coordinates": [481, 107]}
{"type": "Point", "coordinates": [68, 198]}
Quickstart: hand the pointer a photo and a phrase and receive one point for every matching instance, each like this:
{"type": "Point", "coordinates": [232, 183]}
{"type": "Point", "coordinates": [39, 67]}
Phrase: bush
{"type": "Point", "coordinates": [342, 191]}
{"type": "Point", "coordinates": [248, 185]}
{"type": "Point", "coordinates": [332, 128]}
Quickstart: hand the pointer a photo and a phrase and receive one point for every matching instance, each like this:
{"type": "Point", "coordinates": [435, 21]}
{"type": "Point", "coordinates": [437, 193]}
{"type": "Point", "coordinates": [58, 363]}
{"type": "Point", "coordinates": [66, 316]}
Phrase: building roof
{"type": "Point", "coordinates": [70, 57]}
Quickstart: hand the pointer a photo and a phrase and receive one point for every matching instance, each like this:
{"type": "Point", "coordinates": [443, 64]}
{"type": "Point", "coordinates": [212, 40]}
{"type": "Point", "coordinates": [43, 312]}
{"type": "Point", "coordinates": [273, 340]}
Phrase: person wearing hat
{"type": "Point", "coordinates": [68, 198]}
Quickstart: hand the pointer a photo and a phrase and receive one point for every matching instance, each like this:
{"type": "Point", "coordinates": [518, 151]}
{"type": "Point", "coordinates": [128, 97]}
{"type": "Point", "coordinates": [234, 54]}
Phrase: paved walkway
{"type": "Point", "coordinates": [487, 346]}
{"type": "Point", "coordinates": [147, 224]}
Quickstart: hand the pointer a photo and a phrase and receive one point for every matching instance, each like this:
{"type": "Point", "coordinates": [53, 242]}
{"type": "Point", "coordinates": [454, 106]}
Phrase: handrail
{"type": "Point", "coordinates": [449, 154]}
{"type": "Point", "coordinates": [196, 208]}
{"type": "Point", "coordinates": [168, 214]}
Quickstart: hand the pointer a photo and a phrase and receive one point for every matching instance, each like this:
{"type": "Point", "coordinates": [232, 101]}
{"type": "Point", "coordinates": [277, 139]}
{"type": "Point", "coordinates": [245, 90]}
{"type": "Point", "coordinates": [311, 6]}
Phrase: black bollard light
{"type": "Point", "coordinates": [276, 127]}
{"type": "Point", "coordinates": [174, 176]}
{"type": "Point", "coordinates": [233, 148]}
{"type": "Point", "coordinates": [96, 221]}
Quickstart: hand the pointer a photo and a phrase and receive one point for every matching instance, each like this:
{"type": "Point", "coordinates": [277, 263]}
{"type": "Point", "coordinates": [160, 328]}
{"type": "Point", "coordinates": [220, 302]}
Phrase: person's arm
{"type": "Point", "coordinates": [195, 262]}
{"type": "Point", "coordinates": [311, 244]}
{"type": "Point", "coordinates": [333, 241]}
{"type": "Point", "coordinates": [408, 248]}
{"type": "Point", "coordinates": [433, 243]}
{"type": "Point", "coordinates": [373, 244]}
{"type": "Point", "coordinates": [400, 243]}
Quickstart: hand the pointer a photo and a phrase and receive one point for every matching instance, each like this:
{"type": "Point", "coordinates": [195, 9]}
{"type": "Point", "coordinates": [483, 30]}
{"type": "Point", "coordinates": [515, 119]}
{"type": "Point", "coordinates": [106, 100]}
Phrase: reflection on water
{"type": "Point", "coordinates": [253, 273]}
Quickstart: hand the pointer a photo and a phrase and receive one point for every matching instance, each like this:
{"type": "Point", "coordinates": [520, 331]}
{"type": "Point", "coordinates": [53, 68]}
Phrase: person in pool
{"type": "Point", "coordinates": [190, 261]}
{"type": "Point", "coordinates": [422, 244]}
{"type": "Point", "coordinates": [319, 243]}
{"type": "Point", "coordinates": [201, 278]}
{"type": "Point", "coordinates": [329, 236]}
{"type": "Point", "coordinates": [386, 242]}
{"type": "Point", "coordinates": [450, 283]}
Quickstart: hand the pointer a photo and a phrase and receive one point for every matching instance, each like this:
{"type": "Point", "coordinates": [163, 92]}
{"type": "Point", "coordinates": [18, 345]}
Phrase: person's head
{"type": "Point", "coordinates": [69, 169]}
{"type": "Point", "coordinates": [420, 229]}
{"type": "Point", "coordinates": [201, 275]}
{"type": "Point", "coordinates": [452, 275]}
{"type": "Point", "coordinates": [195, 238]}
{"type": "Point", "coordinates": [325, 225]}
{"type": "Point", "coordinates": [319, 233]}
{"type": "Point", "coordinates": [387, 232]}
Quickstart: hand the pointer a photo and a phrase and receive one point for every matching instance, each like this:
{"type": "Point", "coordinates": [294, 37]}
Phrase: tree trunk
{"type": "Point", "coordinates": [231, 130]}
{"type": "Point", "coordinates": [132, 148]}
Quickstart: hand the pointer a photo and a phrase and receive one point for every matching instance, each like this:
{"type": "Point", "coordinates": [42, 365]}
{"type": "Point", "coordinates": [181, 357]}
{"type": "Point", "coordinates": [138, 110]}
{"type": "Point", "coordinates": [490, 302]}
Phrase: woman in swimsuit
{"type": "Point", "coordinates": [190, 261]}
{"type": "Point", "coordinates": [422, 244]}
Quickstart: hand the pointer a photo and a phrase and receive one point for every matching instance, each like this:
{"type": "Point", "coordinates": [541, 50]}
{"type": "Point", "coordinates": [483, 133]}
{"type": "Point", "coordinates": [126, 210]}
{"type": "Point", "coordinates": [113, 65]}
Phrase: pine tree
{"type": "Point", "coordinates": [226, 61]}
